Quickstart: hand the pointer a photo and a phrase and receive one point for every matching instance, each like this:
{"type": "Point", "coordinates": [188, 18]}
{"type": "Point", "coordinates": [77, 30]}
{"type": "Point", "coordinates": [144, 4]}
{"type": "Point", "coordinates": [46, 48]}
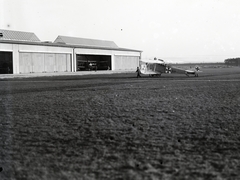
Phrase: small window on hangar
{"type": "Point", "coordinates": [87, 62]}
{"type": "Point", "coordinates": [6, 62]}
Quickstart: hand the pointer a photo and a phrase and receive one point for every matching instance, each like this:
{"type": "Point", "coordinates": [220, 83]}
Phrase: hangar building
{"type": "Point", "coordinates": [23, 52]}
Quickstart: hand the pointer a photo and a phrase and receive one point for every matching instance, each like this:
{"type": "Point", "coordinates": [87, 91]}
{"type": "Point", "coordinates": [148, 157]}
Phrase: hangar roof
{"type": "Point", "coordinates": [85, 42]}
{"type": "Point", "coordinates": [17, 35]}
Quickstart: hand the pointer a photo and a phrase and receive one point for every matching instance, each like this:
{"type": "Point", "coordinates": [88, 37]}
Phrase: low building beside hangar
{"type": "Point", "coordinates": [23, 52]}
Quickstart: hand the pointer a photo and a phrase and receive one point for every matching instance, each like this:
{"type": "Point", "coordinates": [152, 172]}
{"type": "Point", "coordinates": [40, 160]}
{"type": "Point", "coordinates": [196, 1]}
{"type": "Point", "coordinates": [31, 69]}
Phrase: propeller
{"type": "Point", "coordinates": [168, 69]}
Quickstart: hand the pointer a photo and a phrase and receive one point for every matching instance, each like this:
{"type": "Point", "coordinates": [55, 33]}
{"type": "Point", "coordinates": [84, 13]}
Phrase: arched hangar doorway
{"type": "Point", "coordinates": [87, 62]}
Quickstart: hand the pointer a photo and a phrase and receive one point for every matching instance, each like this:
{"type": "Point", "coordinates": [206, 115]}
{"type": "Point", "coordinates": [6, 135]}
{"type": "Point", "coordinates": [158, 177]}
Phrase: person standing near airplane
{"type": "Point", "coordinates": [138, 72]}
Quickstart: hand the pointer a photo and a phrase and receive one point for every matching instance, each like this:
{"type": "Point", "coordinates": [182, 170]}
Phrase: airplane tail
{"type": "Point", "coordinates": [197, 68]}
{"type": "Point", "coordinates": [194, 71]}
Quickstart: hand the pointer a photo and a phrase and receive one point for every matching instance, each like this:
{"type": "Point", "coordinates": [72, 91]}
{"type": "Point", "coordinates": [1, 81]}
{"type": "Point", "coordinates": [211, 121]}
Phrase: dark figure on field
{"type": "Point", "coordinates": [138, 72]}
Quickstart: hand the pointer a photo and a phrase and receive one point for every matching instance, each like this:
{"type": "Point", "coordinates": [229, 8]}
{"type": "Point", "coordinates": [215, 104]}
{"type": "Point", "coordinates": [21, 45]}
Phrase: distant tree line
{"type": "Point", "coordinates": [232, 61]}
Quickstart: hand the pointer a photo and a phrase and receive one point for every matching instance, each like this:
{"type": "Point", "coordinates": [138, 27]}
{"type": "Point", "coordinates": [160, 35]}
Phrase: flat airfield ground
{"type": "Point", "coordinates": [121, 127]}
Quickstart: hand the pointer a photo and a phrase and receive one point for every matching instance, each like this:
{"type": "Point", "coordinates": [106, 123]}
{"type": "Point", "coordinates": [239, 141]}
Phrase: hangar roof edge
{"type": "Point", "coordinates": [40, 43]}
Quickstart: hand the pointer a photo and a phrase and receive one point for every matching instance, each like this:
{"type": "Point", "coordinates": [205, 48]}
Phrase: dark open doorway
{"type": "Point", "coordinates": [87, 62]}
{"type": "Point", "coordinates": [6, 63]}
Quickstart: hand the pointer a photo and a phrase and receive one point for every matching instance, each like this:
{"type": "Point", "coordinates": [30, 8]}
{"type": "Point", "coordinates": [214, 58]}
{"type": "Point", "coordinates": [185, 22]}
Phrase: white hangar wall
{"type": "Point", "coordinates": [48, 58]}
{"type": "Point", "coordinates": [32, 62]}
{"type": "Point", "coordinates": [124, 60]}
{"type": "Point", "coordinates": [120, 60]}
{"type": "Point", "coordinates": [38, 58]}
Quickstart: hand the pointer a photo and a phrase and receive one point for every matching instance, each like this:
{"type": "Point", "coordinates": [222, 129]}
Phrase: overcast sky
{"type": "Point", "coordinates": [174, 30]}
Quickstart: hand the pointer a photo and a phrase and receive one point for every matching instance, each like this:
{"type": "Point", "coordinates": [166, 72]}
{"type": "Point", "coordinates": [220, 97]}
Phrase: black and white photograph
{"type": "Point", "coordinates": [119, 89]}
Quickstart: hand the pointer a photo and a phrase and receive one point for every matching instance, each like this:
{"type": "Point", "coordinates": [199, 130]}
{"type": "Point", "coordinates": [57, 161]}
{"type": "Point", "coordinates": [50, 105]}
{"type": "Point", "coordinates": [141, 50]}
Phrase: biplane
{"type": "Point", "coordinates": [152, 67]}
{"type": "Point", "coordinates": [157, 67]}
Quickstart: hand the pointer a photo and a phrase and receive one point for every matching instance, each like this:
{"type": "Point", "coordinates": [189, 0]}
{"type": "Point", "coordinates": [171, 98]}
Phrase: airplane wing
{"type": "Point", "coordinates": [190, 71]}
{"type": "Point", "coordinates": [149, 72]}
{"type": "Point", "coordinates": [152, 61]}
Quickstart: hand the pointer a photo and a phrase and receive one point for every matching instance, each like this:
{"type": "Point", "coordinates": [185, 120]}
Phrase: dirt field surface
{"type": "Point", "coordinates": [121, 127]}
